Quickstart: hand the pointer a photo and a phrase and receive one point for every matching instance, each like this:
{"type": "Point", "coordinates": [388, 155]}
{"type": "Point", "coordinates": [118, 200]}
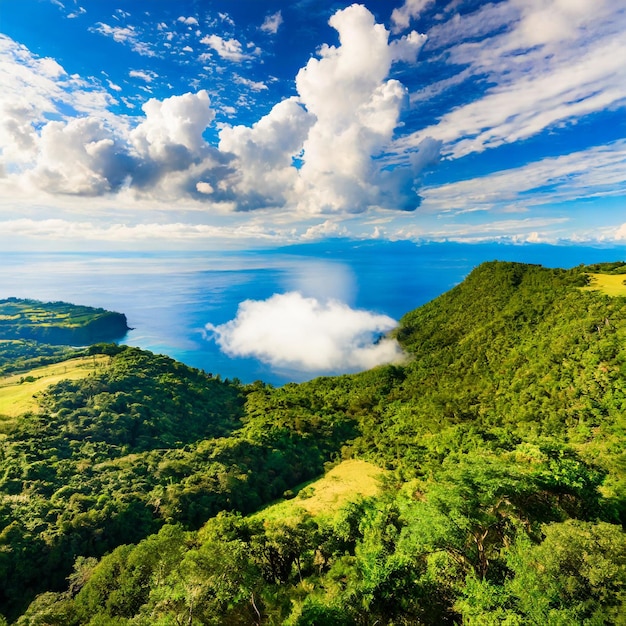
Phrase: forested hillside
{"type": "Point", "coordinates": [125, 494]}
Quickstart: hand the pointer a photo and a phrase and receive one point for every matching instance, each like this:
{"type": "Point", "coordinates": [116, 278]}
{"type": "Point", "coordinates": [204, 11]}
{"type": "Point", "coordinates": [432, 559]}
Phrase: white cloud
{"type": "Point", "coordinates": [410, 10]}
{"type": "Point", "coordinates": [113, 86]}
{"type": "Point", "coordinates": [357, 110]}
{"type": "Point", "coordinates": [67, 230]}
{"type": "Point", "coordinates": [189, 21]}
{"type": "Point", "coordinates": [146, 75]}
{"type": "Point", "coordinates": [555, 62]}
{"type": "Point", "coordinates": [272, 23]}
{"type": "Point", "coordinates": [291, 331]}
{"type": "Point", "coordinates": [126, 35]}
{"type": "Point", "coordinates": [265, 174]}
{"type": "Point", "coordinates": [250, 84]}
{"type": "Point", "coordinates": [163, 154]}
{"type": "Point", "coordinates": [532, 229]}
{"type": "Point", "coordinates": [80, 157]}
{"type": "Point", "coordinates": [204, 187]}
{"type": "Point", "coordinates": [314, 154]}
{"type": "Point", "coordinates": [77, 13]}
{"type": "Point", "coordinates": [34, 90]}
{"type": "Point", "coordinates": [327, 228]}
{"type": "Point", "coordinates": [595, 172]}
{"type": "Point", "coordinates": [171, 133]}
{"type": "Point", "coordinates": [229, 49]}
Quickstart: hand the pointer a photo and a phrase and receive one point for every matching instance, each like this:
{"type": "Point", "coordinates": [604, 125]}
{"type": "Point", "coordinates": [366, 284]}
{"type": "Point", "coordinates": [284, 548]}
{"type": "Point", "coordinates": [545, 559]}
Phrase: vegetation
{"type": "Point", "coordinates": [133, 495]}
{"type": "Point", "coordinates": [610, 284]}
{"type": "Point", "coordinates": [59, 323]}
{"type": "Point", "coordinates": [19, 392]}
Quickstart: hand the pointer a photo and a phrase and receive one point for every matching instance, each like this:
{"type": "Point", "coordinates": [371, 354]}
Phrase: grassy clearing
{"type": "Point", "coordinates": [325, 496]}
{"type": "Point", "coordinates": [17, 391]}
{"type": "Point", "coordinates": [610, 284]}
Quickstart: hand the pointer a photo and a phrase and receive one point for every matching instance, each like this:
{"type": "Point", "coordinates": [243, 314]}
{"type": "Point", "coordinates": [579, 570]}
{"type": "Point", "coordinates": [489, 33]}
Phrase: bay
{"type": "Point", "coordinates": [169, 297]}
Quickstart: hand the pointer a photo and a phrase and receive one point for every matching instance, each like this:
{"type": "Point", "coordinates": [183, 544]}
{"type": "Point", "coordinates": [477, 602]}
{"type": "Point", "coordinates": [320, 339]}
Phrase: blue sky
{"type": "Point", "coordinates": [233, 124]}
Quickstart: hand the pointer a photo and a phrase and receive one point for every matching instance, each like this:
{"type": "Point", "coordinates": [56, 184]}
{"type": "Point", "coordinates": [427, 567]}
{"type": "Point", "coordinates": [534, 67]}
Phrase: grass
{"type": "Point", "coordinates": [18, 391]}
{"type": "Point", "coordinates": [610, 284]}
{"type": "Point", "coordinates": [325, 496]}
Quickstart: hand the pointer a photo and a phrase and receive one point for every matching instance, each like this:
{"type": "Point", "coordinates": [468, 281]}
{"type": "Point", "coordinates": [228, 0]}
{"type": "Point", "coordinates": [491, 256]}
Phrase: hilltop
{"type": "Point", "coordinates": [135, 495]}
{"type": "Point", "coordinates": [59, 323]}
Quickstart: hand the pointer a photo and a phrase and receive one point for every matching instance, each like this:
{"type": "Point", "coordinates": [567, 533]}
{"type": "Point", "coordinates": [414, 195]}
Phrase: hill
{"type": "Point", "coordinates": [126, 498]}
{"type": "Point", "coordinates": [59, 323]}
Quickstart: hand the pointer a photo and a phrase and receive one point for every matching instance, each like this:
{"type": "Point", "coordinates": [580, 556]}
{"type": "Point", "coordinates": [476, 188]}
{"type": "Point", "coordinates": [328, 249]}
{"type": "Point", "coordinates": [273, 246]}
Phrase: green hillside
{"type": "Point", "coordinates": [128, 496]}
{"type": "Point", "coordinates": [59, 323]}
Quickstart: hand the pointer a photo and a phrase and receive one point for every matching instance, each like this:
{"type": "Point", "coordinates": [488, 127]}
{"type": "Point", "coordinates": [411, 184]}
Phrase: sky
{"type": "Point", "coordinates": [200, 124]}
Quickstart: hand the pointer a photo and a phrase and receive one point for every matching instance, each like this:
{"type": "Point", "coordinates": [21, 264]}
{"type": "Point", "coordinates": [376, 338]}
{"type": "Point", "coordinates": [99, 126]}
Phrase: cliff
{"type": "Point", "coordinates": [59, 323]}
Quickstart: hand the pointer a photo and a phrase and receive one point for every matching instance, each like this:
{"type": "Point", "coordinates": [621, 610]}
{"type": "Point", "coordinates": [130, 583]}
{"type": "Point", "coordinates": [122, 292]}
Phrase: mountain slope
{"type": "Point", "coordinates": [503, 438]}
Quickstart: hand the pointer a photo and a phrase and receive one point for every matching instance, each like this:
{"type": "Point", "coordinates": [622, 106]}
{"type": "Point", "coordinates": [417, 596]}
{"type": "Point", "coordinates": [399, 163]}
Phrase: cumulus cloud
{"type": "Point", "coordinates": [320, 152]}
{"type": "Point", "coordinates": [189, 21]}
{"type": "Point", "coordinates": [81, 157]}
{"type": "Point", "coordinates": [265, 171]}
{"type": "Point", "coordinates": [327, 228]}
{"type": "Point", "coordinates": [204, 187]}
{"type": "Point", "coordinates": [253, 85]}
{"type": "Point", "coordinates": [356, 110]}
{"type": "Point", "coordinates": [174, 124]}
{"type": "Point", "coordinates": [163, 155]}
{"type": "Point", "coordinates": [305, 334]}
{"type": "Point", "coordinates": [229, 49]}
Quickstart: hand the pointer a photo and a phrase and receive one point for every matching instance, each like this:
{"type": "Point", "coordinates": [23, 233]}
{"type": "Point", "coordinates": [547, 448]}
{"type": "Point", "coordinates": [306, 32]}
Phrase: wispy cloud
{"type": "Point", "coordinates": [146, 75]}
{"type": "Point", "coordinates": [272, 23]}
{"type": "Point", "coordinates": [77, 13]}
{"type": "Point", "coordinates": [554, 63]}
{"type": "Point", "coordinates": [126, 35]}
{"type": "Point", "coordinates": [67, 230]}
{"type": "Point", "coordinates": [594, 172]}
{"type": "Point", "coordinates": [411, 9]}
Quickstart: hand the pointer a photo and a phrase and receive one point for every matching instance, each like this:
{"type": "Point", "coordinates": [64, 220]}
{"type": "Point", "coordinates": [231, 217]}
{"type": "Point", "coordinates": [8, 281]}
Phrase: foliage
{"type": "Point", "coordinates": [59, 322]}
{"type": "Point", "coordinates": [124, 500]}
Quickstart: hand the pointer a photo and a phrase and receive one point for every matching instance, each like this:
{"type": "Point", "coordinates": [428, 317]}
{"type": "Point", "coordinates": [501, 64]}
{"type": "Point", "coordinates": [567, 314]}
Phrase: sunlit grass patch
{"type": "Point", "coordinates": [610, 284]}
{"type": "Point", "coordinates": [18, 391]}
{"type": "Point", "coordinates": [328, 494]}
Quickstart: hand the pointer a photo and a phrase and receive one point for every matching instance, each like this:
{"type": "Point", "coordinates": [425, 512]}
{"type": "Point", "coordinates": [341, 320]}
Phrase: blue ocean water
{"type": "Point", "coordinates": [169, 297]}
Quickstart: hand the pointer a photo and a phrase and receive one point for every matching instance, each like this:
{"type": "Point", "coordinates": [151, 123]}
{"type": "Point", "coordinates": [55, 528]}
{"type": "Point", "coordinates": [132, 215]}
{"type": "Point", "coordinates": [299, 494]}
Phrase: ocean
{"type": "Point", "coordinates": [170, 297]}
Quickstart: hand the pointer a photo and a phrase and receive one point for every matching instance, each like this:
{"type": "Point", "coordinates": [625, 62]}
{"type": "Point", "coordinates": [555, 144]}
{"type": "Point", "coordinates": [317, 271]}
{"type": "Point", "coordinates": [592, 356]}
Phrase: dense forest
{"type": "Point", "coordinates": [135, 494]}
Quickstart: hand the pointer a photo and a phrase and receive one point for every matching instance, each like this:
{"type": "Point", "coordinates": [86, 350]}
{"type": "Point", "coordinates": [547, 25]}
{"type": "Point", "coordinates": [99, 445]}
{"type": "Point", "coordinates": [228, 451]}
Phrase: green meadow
{"type": "Point", "coordinates": [324, 497]}
{"type": "Point", "coordinates": [610, 284]}
{"type": "Point", "coordinates": [18, 392]}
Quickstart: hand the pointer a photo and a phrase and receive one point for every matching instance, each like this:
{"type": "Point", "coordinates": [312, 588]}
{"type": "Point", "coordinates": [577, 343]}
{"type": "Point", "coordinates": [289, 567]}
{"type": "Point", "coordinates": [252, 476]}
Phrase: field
{"type": "Point", "coordinates": [17, 392]}
{"type": "Point", "coordinates": [328, 494]}
{"type": "Point", "coordinates": [32, 312]}
{"type": "Point", "coordinates": [610, 284]}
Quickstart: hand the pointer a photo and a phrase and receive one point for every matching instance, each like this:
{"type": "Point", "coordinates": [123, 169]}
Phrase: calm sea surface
{"type": "Point", "coordinates": [169, 297]}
